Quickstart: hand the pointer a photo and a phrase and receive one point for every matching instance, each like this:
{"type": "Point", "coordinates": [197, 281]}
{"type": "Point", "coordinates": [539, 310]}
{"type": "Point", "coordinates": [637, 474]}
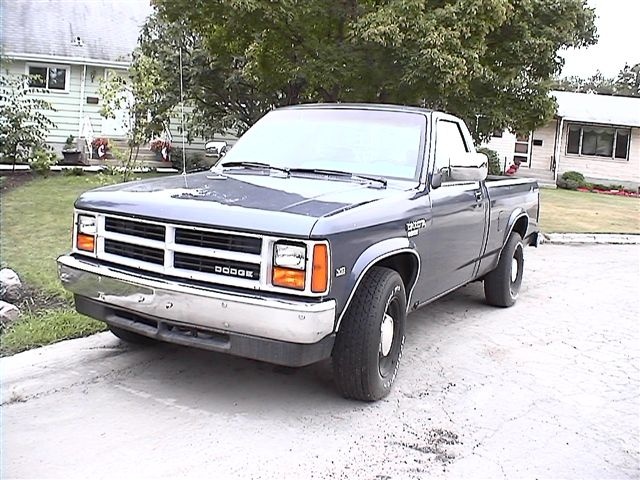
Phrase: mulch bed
{"type": "Point", "coordinates": [11, 180]}
{"type": "Point", "coordinates": [35, 300]}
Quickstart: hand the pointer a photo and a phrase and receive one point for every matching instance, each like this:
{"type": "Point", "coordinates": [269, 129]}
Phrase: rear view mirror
{"type": "Point", "coordinates": [471, 167]}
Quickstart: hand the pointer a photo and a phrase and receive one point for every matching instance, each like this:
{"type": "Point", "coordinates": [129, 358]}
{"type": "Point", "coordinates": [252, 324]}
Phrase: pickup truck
{"type": "Point", "coordinates": [318, 248]}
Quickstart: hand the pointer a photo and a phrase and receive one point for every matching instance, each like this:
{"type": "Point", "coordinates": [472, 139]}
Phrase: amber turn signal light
{"type": "Point", "coordinates": [320, 272]}
{"type": "Point", "coordinates": [288, 277]}
{"type": "Point", "coordinates": [86, 242]}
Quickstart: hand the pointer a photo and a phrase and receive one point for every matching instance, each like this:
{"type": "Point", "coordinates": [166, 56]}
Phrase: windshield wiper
{"type": "Point", "coordinates": [258, 165]}
{"type": "Point", "coordinates": [339, 173]}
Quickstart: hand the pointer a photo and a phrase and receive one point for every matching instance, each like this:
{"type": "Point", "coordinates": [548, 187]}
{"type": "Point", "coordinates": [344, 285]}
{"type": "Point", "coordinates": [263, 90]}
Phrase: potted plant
{"type": "Point", "coordinates": [100, 147]}
{"type": "Point", "coordinates": [72, 155]}
{"type": "Point", "coordinates": [162, 149]}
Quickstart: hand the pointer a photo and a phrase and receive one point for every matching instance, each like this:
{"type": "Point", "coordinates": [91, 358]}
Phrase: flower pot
{"type": "Point", "coordinates": [72, 157]}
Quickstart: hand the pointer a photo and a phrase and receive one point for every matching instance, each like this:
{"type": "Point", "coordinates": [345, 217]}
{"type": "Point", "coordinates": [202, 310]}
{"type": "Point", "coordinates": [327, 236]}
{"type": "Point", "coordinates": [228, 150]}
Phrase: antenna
{"type": "Point", "coordinates": [184, 160]}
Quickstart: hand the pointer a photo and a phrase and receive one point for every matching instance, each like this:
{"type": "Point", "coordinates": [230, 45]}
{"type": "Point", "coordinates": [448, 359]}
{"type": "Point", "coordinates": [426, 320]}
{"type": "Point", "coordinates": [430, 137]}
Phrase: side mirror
{"type": "Point", "coordinates": [473, 167]}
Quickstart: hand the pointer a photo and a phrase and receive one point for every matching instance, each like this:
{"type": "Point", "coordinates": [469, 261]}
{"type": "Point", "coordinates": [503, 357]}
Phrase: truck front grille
{"type": "Point", "coordinates": [136, 252]}
{"type": "Point", "coordinates": [223, 241]}
{"type": "Point", "coordinates": [137, 229]}
{"type": "Point", "coordinates": [207, 255]}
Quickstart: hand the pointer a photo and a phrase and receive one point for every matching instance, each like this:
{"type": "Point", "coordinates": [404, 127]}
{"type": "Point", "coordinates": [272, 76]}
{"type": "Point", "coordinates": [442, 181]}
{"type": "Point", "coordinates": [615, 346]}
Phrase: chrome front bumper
{"type": "Point", "coordinates": [189, 306]}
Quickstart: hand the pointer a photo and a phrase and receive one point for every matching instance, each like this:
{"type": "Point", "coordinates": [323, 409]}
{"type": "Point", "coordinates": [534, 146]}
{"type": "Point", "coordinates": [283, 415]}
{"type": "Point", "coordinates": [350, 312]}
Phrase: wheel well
{"type": "Point", "coordinates": [521, 226]}
{"type": "Point", "coordinates": [406, 264]}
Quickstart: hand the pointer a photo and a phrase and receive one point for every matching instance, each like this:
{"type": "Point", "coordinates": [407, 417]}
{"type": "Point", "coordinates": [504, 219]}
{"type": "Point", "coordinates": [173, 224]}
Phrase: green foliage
{"type": "Point", "coordinates": [42, 160]}
{"type": "Point", "coordinates": [194, 162]}
{"type": "Point", "coordinates": [626, 83]}
{"type": "Point", "coordinates": [567, 184]}
{"type": "Point", "coordinates": [23, 123]}
{"type": "Point", "coordinates": [574, 176]}
{"type": "Point", "coordinates": [494, 160]}
{"type": "Point", "coordinates": [73, 172]}
{"type": "Point", "coordinates": [35, 330]}
{"type": "Point", "coordinates": [120, 94]}
{"type": "Point", "coordinates": [571, 181]}
{"type": "Point", "coordinates": [467, 57]}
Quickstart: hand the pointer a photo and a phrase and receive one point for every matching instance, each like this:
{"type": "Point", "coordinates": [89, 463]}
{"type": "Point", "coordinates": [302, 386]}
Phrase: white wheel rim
{"type": "Point", "coordinates": [386, 334]}
{"type": "Point", "coordinates": [514, 269]}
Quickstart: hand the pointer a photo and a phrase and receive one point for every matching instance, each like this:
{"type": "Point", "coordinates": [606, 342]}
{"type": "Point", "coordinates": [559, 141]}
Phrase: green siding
{"type": "Point", "coordinates": [67, 117]}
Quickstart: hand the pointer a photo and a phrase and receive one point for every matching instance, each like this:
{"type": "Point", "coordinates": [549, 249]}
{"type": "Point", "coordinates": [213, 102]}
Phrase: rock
{"type": "Point", "coordinates": [10, 285]}
{"type": "Point", "coordinates": [8, 314]}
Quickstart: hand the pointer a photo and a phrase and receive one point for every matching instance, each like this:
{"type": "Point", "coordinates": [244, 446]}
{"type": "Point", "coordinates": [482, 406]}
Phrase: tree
{"type": "Point", "coordinates": [626, 83]}
{"type": "Point", "coordinates": [23, 125]}
{"type": "Point", "coordinates": [468, 57]}
{"type": "Point", "coordinates": [134, 95]}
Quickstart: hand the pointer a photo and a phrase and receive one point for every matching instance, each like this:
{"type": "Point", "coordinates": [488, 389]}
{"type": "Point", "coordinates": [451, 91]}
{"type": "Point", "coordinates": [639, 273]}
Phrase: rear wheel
{"type": "Point", "coordinates": [131, 337]}
{"type": "Point", "coordinates": [368, 348]}
{"type": "Point", "coordinates": [502, 285]}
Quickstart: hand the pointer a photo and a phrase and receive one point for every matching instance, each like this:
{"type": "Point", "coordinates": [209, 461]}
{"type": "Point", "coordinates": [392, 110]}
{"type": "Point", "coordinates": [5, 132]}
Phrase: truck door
{"type": "Point", "coordinates": [451, 244]}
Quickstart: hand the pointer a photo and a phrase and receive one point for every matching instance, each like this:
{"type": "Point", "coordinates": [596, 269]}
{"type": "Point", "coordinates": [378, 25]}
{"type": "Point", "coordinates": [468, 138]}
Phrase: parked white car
{"type": "Point", "coordinates": [216, 148]}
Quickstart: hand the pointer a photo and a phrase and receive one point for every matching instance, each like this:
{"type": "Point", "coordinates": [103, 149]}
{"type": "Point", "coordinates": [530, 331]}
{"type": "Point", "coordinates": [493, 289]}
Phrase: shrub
{"type": "Point", "coordinates": [494, 160]}
{"type": "Point", "coordinates": [23, 120]}
{"type": "Point", "coordinates": [568, 184]}
{"type": "Point", "coordinates": [195, 162]}
{"type": "Point", "coordinates": [41, 161]}
{"type": "Point", "coordinates": [575, 177]}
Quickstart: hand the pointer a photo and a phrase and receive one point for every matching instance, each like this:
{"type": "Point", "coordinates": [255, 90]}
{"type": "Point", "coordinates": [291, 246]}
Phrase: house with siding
{"type": "Point", "coordinates": [71, 46]}
{"type": "Point", "coordinates": [596, 135]}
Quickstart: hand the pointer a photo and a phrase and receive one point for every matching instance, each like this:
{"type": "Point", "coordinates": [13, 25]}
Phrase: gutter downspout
{"type": "Point", "coordinates": [558, 148]}
{"type": "Point", "coordinates": [81, 103]}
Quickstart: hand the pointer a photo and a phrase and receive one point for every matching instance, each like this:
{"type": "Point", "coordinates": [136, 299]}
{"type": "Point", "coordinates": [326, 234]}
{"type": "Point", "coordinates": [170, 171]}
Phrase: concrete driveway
{"type": "Point", "coordinates": [547, 389]}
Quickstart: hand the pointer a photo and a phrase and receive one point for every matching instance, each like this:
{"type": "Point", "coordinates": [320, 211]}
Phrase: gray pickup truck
{"type": "Point", "coordinates": [313, 238]}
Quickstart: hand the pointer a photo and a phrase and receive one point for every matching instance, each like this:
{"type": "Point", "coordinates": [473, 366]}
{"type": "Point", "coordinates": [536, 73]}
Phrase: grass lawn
{"type": "Point", "coordinates": [35, 226]}
{"type": "Point", "coordinates": [584, 212]}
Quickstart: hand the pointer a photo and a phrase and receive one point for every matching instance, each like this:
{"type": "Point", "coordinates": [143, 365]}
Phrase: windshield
{"type": "Point", "coordinates": [371, 142]}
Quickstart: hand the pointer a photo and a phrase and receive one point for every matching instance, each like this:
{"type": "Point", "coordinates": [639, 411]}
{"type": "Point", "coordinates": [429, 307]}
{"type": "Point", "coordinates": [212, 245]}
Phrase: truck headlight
{"type": "Point", "coordinates": [289, 265]}
{"type": "Point", "coordinates": [86, 233]}
{"type": "Point", "coordinates": [290, 256]}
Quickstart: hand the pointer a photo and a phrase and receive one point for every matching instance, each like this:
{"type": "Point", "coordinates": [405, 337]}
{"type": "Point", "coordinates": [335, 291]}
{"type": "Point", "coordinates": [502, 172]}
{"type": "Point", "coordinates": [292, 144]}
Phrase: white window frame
{"type": "Point", "coordinates": [67, 76]}
{"type": "Point", "coordinates": [598, 157]}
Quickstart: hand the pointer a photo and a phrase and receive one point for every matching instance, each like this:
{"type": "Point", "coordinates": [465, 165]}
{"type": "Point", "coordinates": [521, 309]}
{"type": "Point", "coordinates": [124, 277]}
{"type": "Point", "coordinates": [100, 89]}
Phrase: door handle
{"type": "Point", "coordinates": [478, 195]}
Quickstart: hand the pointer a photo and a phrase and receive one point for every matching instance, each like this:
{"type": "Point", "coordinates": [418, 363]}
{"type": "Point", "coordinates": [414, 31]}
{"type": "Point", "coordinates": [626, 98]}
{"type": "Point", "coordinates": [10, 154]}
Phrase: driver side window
{"type": "Point", "coordinates": [450, 144]}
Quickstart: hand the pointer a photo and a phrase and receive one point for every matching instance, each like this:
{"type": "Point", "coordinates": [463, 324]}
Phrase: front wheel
{"type": "Point", "coordinates": [368, 347]}
{"type": "Point", "coordinates": [502, 285]}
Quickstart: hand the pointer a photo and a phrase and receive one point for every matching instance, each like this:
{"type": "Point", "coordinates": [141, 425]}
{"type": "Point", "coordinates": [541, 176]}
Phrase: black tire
{"type": "Point", "coordinates": [131, 337]}
{"type": "Point", "coordinates": [500, 287]}
{"type": "Point", "coordinates": [361, 369]}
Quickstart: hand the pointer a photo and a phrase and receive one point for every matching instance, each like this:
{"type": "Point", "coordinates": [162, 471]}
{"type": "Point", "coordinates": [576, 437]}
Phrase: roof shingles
{"type": "Point", "coordinates": [108, 29]}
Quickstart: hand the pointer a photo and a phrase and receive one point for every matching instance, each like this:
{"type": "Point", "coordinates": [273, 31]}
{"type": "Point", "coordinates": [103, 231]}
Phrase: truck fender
{"type": "Point", "coordinates": [515, 217]}
{"type": "Point", "coordinates": [370, 257]}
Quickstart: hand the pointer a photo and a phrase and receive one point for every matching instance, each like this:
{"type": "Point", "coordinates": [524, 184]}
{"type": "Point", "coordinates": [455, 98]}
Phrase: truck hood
{"type": "Point", "coordinates": [253, 202]}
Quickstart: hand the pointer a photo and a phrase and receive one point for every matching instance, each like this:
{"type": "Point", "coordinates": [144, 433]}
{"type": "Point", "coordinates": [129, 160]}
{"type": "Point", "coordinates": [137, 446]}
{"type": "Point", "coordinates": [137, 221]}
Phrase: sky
{"type": "Point", "coordinates": [618, 25]}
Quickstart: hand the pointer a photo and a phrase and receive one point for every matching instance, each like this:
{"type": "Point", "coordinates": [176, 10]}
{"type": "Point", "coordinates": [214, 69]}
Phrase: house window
{"type": "Point", "coordinates": [51, 77]}
{"type": "Point", "coordinates": [597, 141]}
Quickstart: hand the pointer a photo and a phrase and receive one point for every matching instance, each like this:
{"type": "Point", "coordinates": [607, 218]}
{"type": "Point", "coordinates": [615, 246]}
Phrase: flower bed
{"type": "Point", "coordinates": [619, 192]}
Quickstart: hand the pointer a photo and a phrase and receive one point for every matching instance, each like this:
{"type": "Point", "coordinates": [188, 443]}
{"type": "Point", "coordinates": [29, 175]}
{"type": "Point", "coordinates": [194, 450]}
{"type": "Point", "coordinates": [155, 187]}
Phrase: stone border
{"type": "Point", "coordinates": [592, 238]}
